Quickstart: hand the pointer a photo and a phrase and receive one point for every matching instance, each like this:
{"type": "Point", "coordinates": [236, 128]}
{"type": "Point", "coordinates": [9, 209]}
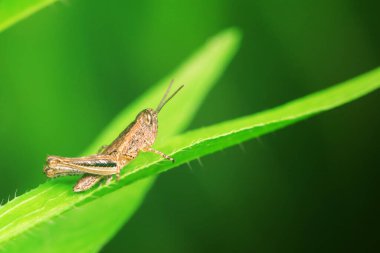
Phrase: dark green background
{"type": "Point", "coordinates": [313, 187]}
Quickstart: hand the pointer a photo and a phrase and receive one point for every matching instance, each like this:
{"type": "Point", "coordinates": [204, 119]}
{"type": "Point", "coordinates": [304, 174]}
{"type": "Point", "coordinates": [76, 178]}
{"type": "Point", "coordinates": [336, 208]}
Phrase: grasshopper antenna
{"type": "Point", "coordinates": [164, 100]}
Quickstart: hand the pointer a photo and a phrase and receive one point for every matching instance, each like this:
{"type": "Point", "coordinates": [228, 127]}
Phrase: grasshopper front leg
{"type": "Point", "coordinates": [150, 149]}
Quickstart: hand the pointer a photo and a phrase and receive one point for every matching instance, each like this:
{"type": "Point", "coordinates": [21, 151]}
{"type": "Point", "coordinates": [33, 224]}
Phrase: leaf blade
{"type": "Point", "coordinates": [12, 11]}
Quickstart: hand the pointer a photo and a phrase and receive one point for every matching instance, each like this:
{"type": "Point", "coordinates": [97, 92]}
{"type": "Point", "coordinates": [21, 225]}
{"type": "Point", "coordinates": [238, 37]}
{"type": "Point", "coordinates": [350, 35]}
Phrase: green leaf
{"type": "Point", "coordinates": [12, 11]}
{"type": "Point", "coordinates": [100, 209]}
{"type": "Point", "coordinates": [198, 143]}
{"type": "Point", "coordinates": [48, 218]}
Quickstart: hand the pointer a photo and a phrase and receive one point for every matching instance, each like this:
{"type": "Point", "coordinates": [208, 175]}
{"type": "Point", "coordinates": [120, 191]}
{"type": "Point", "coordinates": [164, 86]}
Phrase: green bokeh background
{"type": "Point", "coordinates": [68, 70]}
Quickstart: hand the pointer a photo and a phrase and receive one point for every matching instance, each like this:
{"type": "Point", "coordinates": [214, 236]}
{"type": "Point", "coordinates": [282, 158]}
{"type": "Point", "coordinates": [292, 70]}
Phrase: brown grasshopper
{"type": "Point", "coordinates": [138, 136]}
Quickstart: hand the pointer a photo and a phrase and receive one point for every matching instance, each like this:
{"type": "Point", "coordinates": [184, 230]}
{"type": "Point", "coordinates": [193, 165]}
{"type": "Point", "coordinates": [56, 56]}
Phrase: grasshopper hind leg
{"type": "Point", "coordinates": [86, 182]}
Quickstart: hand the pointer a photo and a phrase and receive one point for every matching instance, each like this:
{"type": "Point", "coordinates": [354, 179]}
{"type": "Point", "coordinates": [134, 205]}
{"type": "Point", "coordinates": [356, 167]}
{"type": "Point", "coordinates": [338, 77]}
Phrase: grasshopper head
{"type": "Point", "coordinates": [147, 118]}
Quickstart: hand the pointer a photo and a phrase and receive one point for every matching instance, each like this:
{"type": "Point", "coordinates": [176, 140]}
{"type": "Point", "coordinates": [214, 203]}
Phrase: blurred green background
{"type": "Point", "coordinates": [68, 70]}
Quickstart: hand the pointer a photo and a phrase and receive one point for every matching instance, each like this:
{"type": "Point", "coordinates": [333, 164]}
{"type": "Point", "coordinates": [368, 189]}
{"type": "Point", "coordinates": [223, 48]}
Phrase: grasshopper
{"type": "Point", "coordinates": [139, 136]}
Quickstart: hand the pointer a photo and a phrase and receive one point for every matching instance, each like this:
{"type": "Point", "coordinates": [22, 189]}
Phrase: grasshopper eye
{"type": "Point", "coordinates": [148, 118]}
